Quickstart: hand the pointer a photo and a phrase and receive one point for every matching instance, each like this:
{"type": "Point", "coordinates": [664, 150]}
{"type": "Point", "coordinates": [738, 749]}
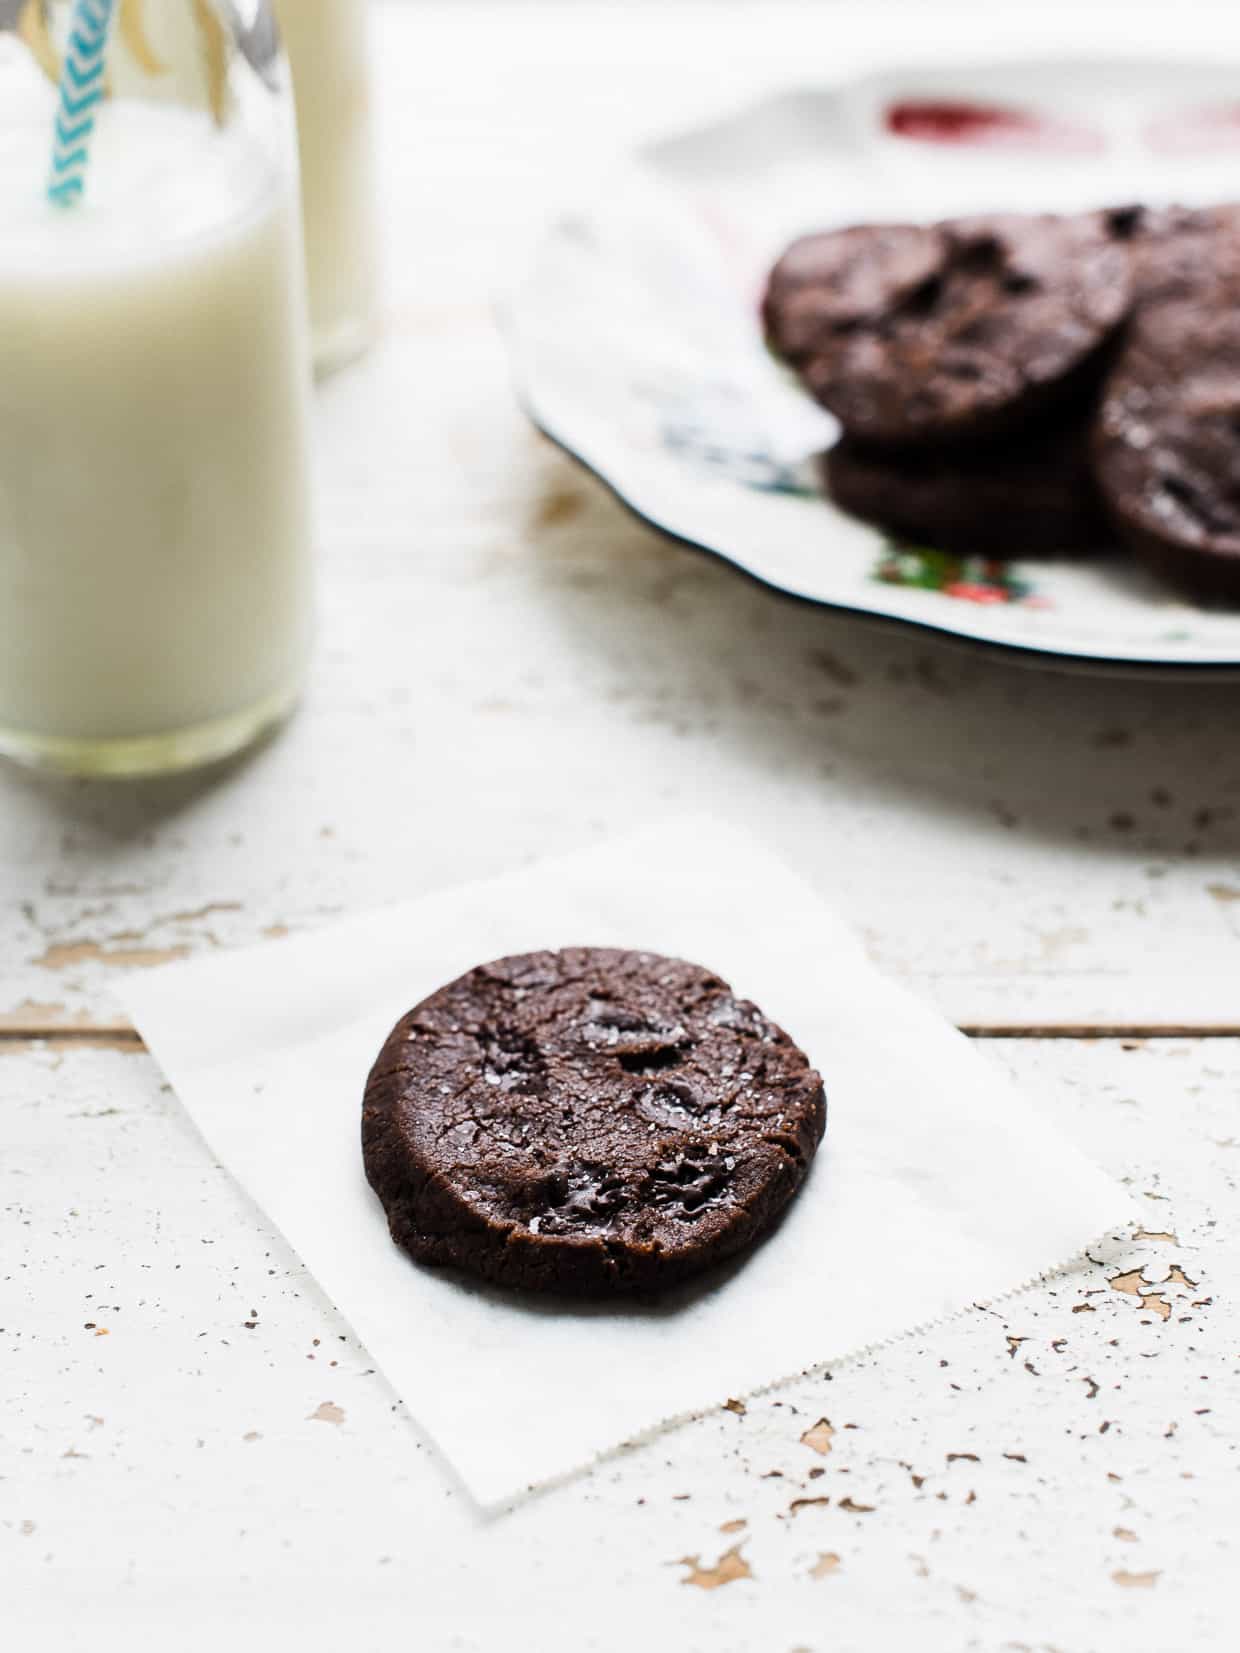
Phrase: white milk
{"type": "Point", "coordinates": [154, 533]}
{"type": "Point", "coordinates": [326, 45]}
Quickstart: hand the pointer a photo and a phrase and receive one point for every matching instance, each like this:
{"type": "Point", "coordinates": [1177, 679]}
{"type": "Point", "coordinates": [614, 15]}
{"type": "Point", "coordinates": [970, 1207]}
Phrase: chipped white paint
{"type": "Point", "coordinates": [169, 1368]}
{"type": "Point", "coordinates": [508, 667]}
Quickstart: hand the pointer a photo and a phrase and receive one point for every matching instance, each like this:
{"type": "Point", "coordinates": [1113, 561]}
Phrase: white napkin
{"type": "Point", "coordinates": [936, 1187]}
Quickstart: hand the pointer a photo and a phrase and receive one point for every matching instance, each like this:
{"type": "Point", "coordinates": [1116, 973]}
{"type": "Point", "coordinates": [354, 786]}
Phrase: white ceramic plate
{"type": "Point", "coordinates": [637, 345]}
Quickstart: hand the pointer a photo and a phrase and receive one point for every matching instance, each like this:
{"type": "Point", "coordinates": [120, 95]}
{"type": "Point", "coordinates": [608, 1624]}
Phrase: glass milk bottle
{"type": "Point", "coordinates": [155, 593]}
{"type": "Point", "coordinates": [326, 42]}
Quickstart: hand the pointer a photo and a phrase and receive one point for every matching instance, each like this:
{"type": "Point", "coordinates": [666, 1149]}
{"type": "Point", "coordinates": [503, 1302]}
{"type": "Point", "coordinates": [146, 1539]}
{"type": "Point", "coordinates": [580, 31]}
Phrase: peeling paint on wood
{"type": "Point", "coordinates": [956, 811]}
{"type": "Point", "coordinates": [819, 1437]}
{"type": "Point", "coordinates": [730, 1567]}
{"type": "Point", "coordinates": [65, 955]}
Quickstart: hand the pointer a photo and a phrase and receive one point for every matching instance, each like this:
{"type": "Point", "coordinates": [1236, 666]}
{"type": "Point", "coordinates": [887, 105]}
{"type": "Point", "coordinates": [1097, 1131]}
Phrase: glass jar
{"type": "Point", "coordinates": [155, 581]}
{"type": "Point", "coordinates": [327, 42]}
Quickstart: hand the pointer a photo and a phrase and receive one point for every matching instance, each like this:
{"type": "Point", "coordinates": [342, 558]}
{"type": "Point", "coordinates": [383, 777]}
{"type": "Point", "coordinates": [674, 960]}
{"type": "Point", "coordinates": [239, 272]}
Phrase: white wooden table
{"type": "Point", "coordinates": [193, 1443]}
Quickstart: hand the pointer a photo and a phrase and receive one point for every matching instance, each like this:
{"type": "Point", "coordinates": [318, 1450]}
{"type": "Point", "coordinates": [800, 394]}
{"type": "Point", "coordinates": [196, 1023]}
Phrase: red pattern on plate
{"type": "Point", "coordinates": [990, 125]}
{"type": "Point", "coordinates": [1195, 131]}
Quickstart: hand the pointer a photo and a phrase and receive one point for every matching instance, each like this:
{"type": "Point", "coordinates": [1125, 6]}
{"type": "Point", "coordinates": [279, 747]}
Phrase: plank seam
{"type": "Point", "coordinates": [119, 1033]}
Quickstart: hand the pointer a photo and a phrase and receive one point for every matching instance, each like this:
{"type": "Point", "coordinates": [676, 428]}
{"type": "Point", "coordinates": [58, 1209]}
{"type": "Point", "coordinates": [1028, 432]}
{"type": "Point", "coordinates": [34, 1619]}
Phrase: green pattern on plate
{"type": "Point", "coordinates": [969, 579]}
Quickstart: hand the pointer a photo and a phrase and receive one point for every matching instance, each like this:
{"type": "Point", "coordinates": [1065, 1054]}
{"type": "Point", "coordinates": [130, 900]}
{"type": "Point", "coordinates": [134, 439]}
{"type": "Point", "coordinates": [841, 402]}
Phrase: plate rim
{"type": "Point", "coordinates": [1024, 654]}
{"type": "Point", "coordinates": [524, 376]}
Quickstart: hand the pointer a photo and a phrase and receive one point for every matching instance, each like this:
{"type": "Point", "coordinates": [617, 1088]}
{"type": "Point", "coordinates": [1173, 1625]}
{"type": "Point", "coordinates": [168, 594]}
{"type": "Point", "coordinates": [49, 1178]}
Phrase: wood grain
{"type": "Point", "coordinates": [509, 667]}
{"type": "Point", "coordinates": [187, 1417]}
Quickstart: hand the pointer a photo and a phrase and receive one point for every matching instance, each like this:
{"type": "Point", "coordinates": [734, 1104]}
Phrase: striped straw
{"type": "Point", "coordinates": [81, 88]}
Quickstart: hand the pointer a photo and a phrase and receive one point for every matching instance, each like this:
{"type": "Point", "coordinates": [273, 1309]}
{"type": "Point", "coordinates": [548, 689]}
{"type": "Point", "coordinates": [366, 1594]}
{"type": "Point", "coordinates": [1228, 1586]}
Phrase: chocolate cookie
{"type": "Point", "coordinates": [1180, 252]}
{"type": "Point", "coordinates": [1032, 496]}
{"type": "Point", "coordinates": [827, 286]}
{"type": "Point", "coordinates": [587, 1122]}
{"type": "Point", "coordinates": [1167, 444]}
{"type": "Point", "coordinates": [959, 331]}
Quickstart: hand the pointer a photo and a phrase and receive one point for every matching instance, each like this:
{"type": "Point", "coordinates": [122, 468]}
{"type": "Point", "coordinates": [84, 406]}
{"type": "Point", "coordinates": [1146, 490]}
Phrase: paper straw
{"type": "Point", "coordinates": [81, 88]}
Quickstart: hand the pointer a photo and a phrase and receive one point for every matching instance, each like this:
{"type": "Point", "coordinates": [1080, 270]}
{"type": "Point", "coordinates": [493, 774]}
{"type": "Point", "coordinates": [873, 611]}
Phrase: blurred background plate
{"type": "Point", "coordinates": [637, 346]}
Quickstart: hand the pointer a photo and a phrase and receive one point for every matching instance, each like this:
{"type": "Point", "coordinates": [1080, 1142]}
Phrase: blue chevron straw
{"type": "Point", "coordinates": [81, 88]}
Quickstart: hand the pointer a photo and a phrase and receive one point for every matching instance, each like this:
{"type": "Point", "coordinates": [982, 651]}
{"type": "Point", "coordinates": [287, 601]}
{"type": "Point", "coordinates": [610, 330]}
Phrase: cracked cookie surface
{"type": "Point", "coordinates": [587, 1122]}
{"type": "Point", "coordinates": [969, 329]}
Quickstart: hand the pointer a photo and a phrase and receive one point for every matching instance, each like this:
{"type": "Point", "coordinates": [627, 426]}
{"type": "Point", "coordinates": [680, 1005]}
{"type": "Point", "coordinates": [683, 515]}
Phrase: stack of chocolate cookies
{"type": "Point", "coordinates": [1017, 384]}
